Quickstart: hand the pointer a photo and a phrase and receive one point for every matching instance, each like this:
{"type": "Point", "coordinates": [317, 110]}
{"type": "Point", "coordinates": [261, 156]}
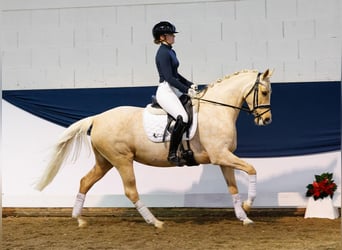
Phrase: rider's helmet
{"type": "Point", "coordinates": [162, 28]}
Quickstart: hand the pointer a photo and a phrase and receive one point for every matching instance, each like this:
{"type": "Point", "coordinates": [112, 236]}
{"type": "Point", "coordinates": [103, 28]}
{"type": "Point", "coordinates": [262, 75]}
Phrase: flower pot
{"type": "Point", "coordinates": [321, 208]}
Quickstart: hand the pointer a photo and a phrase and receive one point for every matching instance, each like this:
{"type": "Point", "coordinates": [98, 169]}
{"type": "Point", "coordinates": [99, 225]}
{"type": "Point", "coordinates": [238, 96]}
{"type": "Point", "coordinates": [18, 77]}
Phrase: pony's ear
{"type": "Point", "coordinates": [268, 73]}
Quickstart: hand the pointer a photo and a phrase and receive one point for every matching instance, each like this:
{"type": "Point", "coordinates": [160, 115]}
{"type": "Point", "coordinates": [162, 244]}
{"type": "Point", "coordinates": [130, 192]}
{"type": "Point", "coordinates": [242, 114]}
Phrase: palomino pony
{"type": "Point", "coordinates": [118, 138]}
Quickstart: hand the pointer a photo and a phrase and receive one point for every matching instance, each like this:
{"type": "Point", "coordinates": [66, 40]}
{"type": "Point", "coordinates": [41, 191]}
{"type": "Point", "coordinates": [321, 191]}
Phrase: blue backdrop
{"type": "Point", "coordinates": [306, 116]}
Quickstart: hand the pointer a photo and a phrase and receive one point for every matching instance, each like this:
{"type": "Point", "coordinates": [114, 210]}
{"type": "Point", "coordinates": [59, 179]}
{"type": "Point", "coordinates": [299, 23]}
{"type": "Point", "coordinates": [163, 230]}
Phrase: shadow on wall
{"type": "Point", "coordinates": [211, 190]}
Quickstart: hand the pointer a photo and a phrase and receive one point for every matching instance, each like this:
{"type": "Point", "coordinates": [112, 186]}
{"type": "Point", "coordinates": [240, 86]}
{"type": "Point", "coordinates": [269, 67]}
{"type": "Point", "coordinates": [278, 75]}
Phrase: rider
{"type": "Point", "coordinates": [171, 84]}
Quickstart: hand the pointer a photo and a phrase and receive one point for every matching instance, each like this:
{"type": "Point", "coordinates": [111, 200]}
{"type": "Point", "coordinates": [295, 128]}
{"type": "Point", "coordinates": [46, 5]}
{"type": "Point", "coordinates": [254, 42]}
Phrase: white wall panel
{"type": "Point", "coordinates": [45, 58]}
{"type": "Point", "coordinates": [277, 64]}
{"type": "Point", "coordinates": [16, 19]}
{"type": "Point", "coordinates": [73, 17]}
{"type": "Point", "coordinates": [101, 16]}
{"type": "Point", "coordinates": [142, 76]}
{"type": "Point", "coordinates": [328, 69]}
{"type": "Point", "coordinates": [299, 29]}
{"type": "Point", "coordinates": [220, 10]}
{"type": "Point", "coordinates": [301, 69]}
{"type": "Point", "coordinates": [281, 10]}
{"type": "Point", "coordinates": [247, 51]}
{"type": "Point", "coordinates": [10, 38]}
{"type": "Point", "coordinates": [17, 58]}
{"type": "Point", "coordinates": [206, 31]}
{"type": "Point", "coordinates": [284, 49]}
{"type": "Point", "coordinates": [62, 77]}
{"type": "Point", "coordinates": [131, 14]}
{"type": "Point", "coordinates": [74, 58]}
{"type": "Point", "coordinates": [233, 66]}
{"type": "Point", "coordinates": [118, 76]}
{"type": "Point", "coordinates": [88, 37]}
{"type": "Point", "coordinates": [251, 10]}
{"type": "Point", "coordinates": [36, 77]}
{"type": "Point", "coordinates": [312, 49]}
{"type": "Point", "coordinates": [219, 52]}
{"type": "Point", "coordinates": [118, 35]}
{"type": "Point", "coordinates": [293, 32]}
{"type": "Point", "coordinates": [202, 73]}
{"type": "Point", "coordinates": [102, 56]}
{"type": "Point", "coordinates": [12, 78]}
{"type": "Point", "coordinates": [328, 28]}
{"type": "Point", "coordinates": [45, 18]}
{"type": "Point", "coordinates": [318, 9]}
{"type": "Point", "coordinates": [88, 77]}
{"type": "Point", "coordinates": [186, 12]}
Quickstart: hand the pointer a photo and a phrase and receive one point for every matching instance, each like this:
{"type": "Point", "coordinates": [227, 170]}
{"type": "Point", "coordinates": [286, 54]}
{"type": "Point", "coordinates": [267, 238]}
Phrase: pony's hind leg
{"type": "Point", "coordinates": [102, 166]}
{"type": "Point", "coordinates": [126, 171]}
{"type": "Point", "coordinates": [240, 213]}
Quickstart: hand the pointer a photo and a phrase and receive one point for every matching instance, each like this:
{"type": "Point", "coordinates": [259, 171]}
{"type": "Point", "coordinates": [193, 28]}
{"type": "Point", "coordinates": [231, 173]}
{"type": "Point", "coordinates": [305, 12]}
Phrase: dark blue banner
{"type": "Point", "coordinates": [306, 116]}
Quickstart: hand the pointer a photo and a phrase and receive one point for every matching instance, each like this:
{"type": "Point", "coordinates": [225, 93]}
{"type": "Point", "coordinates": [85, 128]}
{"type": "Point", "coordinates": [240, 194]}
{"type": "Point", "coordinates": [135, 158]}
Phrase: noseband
{"type": "Point", "coordinates": [256, 106]}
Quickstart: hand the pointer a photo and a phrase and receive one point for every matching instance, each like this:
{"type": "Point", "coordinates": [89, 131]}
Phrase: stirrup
{"type": "Point", "coordinates": [176, 160]}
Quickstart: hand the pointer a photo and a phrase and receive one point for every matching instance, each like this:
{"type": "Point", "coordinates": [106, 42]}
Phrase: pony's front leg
{"type": "Point", "coordinates": [147, 215]}
{"type": "Point", "coordinates": [240, 213]}
{"type": "Point", "coordinates": [251, 193]}
{"type": "Point", "coordinates": [236, 163]}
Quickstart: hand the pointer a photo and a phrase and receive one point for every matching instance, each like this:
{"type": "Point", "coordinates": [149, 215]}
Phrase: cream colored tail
{"type": "Point", "coordinates": [75, 135]}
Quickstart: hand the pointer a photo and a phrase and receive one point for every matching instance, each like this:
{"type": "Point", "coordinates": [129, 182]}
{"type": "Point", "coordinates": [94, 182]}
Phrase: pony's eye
{"type": "Point", "coordinates": [264, 93]}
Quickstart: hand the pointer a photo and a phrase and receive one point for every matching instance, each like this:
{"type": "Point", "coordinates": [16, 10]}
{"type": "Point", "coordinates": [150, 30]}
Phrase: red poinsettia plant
{"type": "Point", "coordinates": [323, 186]}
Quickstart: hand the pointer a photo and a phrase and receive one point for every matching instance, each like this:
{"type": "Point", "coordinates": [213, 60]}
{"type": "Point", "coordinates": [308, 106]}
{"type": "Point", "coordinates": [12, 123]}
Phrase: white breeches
{"type": "Point", "coordinates": [167, 98]}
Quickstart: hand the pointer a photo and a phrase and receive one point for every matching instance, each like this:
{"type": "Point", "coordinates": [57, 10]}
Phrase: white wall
{"type": "Point", "coordinates": [66, 44]}
{"type": "Point", "coordinates": [107, 43]}
{"type": "Point", "coordinates": [27, 145]}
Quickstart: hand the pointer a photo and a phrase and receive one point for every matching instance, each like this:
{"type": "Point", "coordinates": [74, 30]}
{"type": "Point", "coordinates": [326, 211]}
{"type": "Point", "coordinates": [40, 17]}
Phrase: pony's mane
{"type": "Point", "coordinates": [226, 77]}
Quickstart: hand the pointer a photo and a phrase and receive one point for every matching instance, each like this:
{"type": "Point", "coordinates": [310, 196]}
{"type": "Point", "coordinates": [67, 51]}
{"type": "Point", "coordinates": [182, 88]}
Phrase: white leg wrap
{"type": "Point", "coordinates": [76, 212]}
{"type": "Point", "coordinates": [239, 212]}
{"type": "Point", "coordinates": [145, 212]}
{"type": "Point", "coordinates": [252, 188]}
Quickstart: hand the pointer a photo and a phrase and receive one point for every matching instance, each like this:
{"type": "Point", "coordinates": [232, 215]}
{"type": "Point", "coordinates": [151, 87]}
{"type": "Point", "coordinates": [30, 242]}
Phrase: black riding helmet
{"type": "Point", "coordinates": [162, 28]}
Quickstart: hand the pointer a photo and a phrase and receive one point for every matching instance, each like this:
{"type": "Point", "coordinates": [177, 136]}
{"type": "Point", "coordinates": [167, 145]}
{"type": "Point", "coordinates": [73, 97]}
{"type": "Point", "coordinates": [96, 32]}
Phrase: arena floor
{"type": "Point", "coordinates": [190, 228]}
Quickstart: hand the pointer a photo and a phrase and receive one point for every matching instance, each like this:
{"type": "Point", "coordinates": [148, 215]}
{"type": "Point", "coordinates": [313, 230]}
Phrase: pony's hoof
{"type": "Point", "coordinates": [82, 222]}
{"type": "Point", "coordinates": [247, 222]}
{"type": "Point", "coordinates": [246, 205]}
{"type": "Point", "coordinates": [158, 224]}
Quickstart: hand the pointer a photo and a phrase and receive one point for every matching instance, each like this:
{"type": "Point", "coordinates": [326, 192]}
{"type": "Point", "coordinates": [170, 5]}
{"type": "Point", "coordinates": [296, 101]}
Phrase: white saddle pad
{"type": "Point", "coordinates": [155, 121]}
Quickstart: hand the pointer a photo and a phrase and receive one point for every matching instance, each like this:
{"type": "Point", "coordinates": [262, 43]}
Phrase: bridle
{"type": "Point", "coordinates": [256, 106]}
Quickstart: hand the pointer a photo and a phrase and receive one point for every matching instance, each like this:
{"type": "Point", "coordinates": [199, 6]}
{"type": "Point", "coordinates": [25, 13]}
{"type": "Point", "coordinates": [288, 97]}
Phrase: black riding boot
{"type": "Point", "coordinates": [176, 138]}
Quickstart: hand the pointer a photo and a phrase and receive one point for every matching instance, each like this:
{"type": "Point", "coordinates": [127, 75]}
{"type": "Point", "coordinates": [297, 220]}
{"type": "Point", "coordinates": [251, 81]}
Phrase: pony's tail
{"type": "Point", "coordinates": [75, 135]}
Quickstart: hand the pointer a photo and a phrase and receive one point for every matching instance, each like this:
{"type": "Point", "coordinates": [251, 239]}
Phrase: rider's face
{"type": "Point", "coordinates": [169, 38]}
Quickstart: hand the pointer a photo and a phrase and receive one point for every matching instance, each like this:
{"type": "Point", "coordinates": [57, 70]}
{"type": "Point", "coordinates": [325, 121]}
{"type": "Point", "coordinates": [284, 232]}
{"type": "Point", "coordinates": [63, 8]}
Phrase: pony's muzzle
{"type": "Point", "coordinates": [267, 120]}
{"type": "Point", "coordinates": [263, 119]}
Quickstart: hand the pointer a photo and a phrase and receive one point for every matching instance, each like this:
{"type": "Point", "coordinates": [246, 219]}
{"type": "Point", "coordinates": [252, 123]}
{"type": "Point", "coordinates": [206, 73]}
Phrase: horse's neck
{"type": "Point", "coordinates": [231, 91]}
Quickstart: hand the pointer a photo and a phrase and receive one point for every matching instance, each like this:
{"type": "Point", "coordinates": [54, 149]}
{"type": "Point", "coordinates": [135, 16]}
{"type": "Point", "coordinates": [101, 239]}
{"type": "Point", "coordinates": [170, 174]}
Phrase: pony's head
{"type": "Point", "coordinates": [259, 99]}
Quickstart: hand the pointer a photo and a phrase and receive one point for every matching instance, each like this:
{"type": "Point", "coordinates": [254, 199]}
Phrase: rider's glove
{"type": "Point", "coordinates": [194, 87]}
{"type": "Point", "coordinates": [191, 92]}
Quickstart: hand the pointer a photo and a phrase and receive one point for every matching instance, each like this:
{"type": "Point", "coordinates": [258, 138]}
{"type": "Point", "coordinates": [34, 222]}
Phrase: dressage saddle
{"type": "Point", "coordinates": [186, 154]}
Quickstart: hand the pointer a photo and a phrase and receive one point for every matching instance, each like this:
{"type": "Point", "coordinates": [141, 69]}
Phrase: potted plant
{"type": "Point", "coordinates": [320, 193]}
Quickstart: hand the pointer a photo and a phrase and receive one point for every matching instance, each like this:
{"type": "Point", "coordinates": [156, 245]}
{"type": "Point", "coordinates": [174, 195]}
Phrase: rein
{"type": "Point", "coordinates": [244, 108]}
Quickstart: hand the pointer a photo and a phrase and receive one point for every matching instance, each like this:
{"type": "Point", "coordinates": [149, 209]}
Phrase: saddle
{"type": "Point", "coordinates": [185, 151]}
{"type": "Point", "coordinates": [187, 104]}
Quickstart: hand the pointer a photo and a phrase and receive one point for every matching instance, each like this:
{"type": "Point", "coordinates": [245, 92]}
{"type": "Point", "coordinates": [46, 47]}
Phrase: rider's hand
{"type": "Point", "coordinates": [194, 87]}
{"type": "Point", "coordinates": [191, 92]}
